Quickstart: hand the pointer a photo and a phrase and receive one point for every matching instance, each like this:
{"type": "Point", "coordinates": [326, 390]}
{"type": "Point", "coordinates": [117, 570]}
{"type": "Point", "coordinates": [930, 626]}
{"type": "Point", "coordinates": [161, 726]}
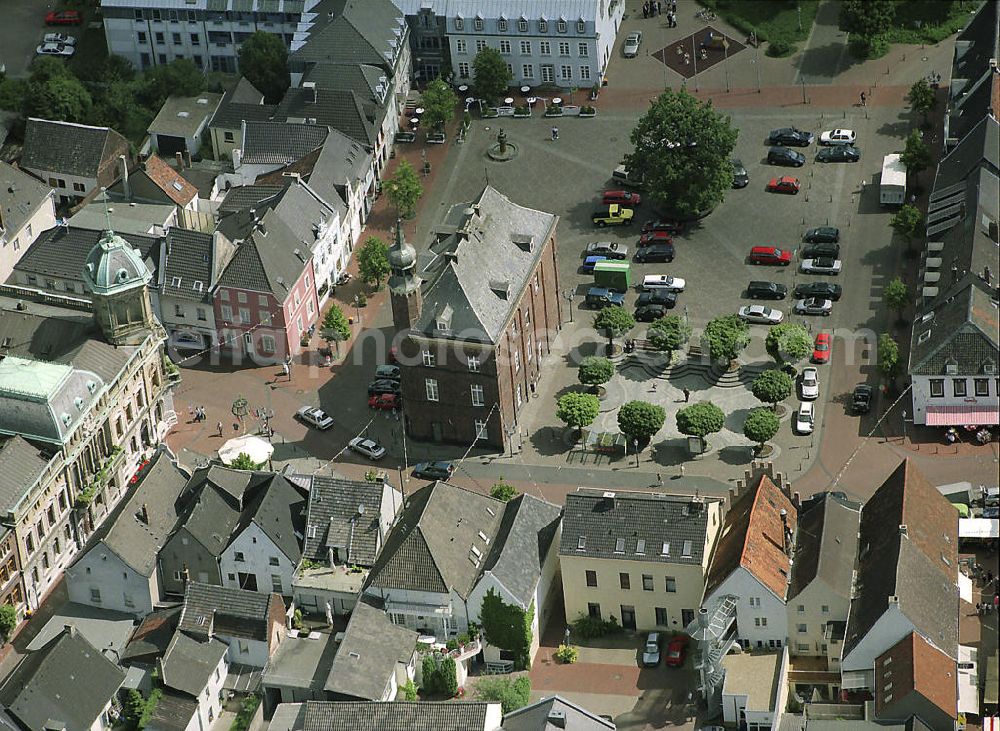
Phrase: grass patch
{"type": "Point", "coordinates": [770, 19]}
{"type": "Point", "coordinates": [929, 21]}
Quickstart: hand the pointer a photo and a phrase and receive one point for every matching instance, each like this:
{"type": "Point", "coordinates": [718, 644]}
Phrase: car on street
{"type": "Point", "coordinates": [785, 184]}
{"type": "Point", "coordinates": [741, 178]}
{"type": "Point", "coordinates": [383, 385]}
{"type": "Point", "coordinates": [838, 137]}
{"type": "Point", "coordinates": [433, 470]}
{"type": "Point", "coordinates": [818, 251]}
{"type": "Point", "coordinates": [55, 49]}
{"type": "Point", "coordinates": [760, 315]}
{"type": "Point", "coordinates": [770, 255]}
{"type": "Point", "coordinates": [861, 399]}
{"type": "Point", "coordinates": [677, 651]}
{"type": "Point", "coordinates": [826, 290]}
{"type": "Point", "coordinates": [662, 281]}
{"type": "Point", "coordinates": [388, 371]}
{"type": "Point", "coordinates": [805, 418]}
{"type": "Point", "coordinates": [650, 313]}
{"type": "Point", "coordinates": [814, 306]}
{"type": "Point", "coordinates": [821, 348]}
{"type": "Point", "coordinates": [766, 291]}
{"type": "Point", "coordinates": [368, 447]}
{"type": "Point", "coordinates": [651, 651]}
{"type": "Point", "coordinates": [662, 224]}
{"type": "Point", "coordinates": [838, 154]}
{"type": "Point", "coordinates": [607, 249]}
{"type": "Point", "coordinates": [63, 17]}
{"type": "Point", "coordinates": [630, 49]}
{"type": "Point", "coordinates": [385, 401]}
{"type": "Point", "coordinates": [600, 297]}
{"type": "Point", "coordinates": [66, 40]}
{"type": "Point", "coordinates": [656, 237]}
{"type": "Point", "coordinates": [790, 136]}
{"type": "Point", "coordinates": [660, 252]}
{"type": "Point", "coordinates": [823, 265]}
{"type": "Point", "coordinates": [590, 262]}
{"type": "Point", "coordinates": [809, 384]}
{"type": "Point", "coordinates": [785, 156]}
{"type": "Point", "coordinates": [613, 215]}
{"type": "Point", "coordinates": [822, 235]}
{"type": "Point", "coordinates": [657, 297]}
{"type": "Point", "coordinates": [314, 417]}
{"type": "Point", "coordinates": [621, 197]}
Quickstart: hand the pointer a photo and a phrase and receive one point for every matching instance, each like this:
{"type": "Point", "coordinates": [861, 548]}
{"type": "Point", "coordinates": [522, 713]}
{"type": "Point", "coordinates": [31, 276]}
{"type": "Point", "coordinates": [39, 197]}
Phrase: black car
{"type": "Point", "coordinates": [840, 153]}
{"type": "Point", "coordinates": [822, 290]}
{"type": "Point", "coordinates": [861, 399]}
{"type": "Point", "coordinates": [822, 235]}
{"type": "Point", "coordinates": [656, 252]}
{"type": "Point", "coordinates": [786, 157]}
{"type": "Point", "coordinates": [649, 313]}
{"type": "Point", "coordinates": [383, 385]}
{"type": "Point", "coordinates": [766, 291]}
{"type": "Point", "coordinates": [657, 297]}
{"type": "Point", "coordinates": [741, 179]}
{"type": "Point", "coordinates": [433, 470]}
{"type": "Point", "coordinates": [791, 136]}
{"type": "Point", "coordinates": [819, 251]}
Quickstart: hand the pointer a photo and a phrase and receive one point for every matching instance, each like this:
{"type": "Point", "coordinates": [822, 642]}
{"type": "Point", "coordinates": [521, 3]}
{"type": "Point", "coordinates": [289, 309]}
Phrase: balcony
{"type": "Point", "coordinates": [100, 478]}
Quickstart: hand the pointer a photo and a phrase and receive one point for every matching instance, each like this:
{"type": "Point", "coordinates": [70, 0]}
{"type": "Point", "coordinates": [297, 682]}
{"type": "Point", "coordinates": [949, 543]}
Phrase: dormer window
{"type": "Point", "coordinates": [543, 26]}
{"type": "Point", "coordinates": [175, 281]}
{"type": "Point", "coordinates": [502, 25]}
{"type": "Point", "coordinates": [686, 549]}
{"type": "Point", "coordinates": [561, 25]}
{"type": "Point", "coordinates": [478, 23]}
{"type": "Point", "coordinates": [459, 22]}
{"type": "Point", "coordinates": [581, 26]}
{"type": "Point", "coordinates": [522, 25]}
{"type": "Point", "coordinates": [619, 545]}
{"type": "Point", "coordinates": [665, 549]}
{"type": "Point", "coordinates": [443, 320]}
{"type": "Point", "coordinates": [581, 544]}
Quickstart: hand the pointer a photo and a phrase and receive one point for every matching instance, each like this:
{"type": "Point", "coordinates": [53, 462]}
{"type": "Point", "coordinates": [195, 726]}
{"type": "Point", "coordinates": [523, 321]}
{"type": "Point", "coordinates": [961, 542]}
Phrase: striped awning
{"type": "Point", "coordinates": [980, 415]}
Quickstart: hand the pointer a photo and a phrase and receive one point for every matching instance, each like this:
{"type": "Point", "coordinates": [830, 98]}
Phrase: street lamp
{"type": "Point", "coordinates": [568, 294]}
{"type": "Point", "coordinates": [635, 448]}
{"type": "Point", "coordinates": [686, 320]}
{"type": "Point", "coordinates": [357, 309]}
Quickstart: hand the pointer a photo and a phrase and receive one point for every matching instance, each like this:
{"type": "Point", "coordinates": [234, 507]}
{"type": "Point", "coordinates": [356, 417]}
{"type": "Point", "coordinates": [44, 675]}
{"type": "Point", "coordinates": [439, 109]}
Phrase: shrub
{"type": "Point", "coordinates": [578, 410]}
{"type": "Point", "coordinates": [448, 676]}
{"type": "Point", "coordinates": [780, 47]}
{"type": "Point", "coordinates": [700, 419]}
{"type": "Point", "coordinates": [567, 654]}
{"type": "Point", "coordinates": [429, 673]}
{"type": "Point", "coordinates": [505, 492]}
{"type": "Point", "coordinates": [641, 420]}
{"type": "Point", "coordinates": [589, 627]}
{"type": "Point", "coordinates": [8, 621]}
{"type": "Point", "coordinates": [409, 689]}
{"type": "Point", "coordinates": [595, 370]}
{"type": "Point", "coordinates": [511, 693]}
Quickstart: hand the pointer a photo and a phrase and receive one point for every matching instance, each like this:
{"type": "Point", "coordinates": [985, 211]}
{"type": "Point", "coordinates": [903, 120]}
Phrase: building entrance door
{"type": "Point", "coordinates": [628, 617]}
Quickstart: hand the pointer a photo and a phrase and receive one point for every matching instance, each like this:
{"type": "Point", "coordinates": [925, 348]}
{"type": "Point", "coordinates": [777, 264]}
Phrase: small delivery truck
{"type": "Point", "coordinates": [613, 275]}
{"type": "Point", "coordinates": [892, 186]}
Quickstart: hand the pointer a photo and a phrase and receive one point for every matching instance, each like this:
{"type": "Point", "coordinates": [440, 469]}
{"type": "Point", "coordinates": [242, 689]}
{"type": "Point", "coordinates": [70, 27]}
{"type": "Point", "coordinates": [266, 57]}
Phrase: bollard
{"type": "Point", "coordinates": [831, 197]}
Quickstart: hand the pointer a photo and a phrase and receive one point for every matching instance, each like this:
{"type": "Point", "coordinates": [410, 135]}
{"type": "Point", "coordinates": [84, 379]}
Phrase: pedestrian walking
{"type": "Point", "coordinates": [285, 372]}
{"type": "Point", "coordinates": [645, 10]}
{"type": "Point", "coordinates": [555, 134]}
{"type": "Point", "coordinates": [996, 601]}
{"type": "Point", "coordinates": [682, 470]}
{"type": "Point", "coordinates": [687, 395]}
{"type": "Point", "coordinates": [659, 7]}
{"type": "Point", "coordinates": [673, 7]}
{"type": "Point", "coordinates": [979, 609]}
{"type": "Point", "coordinates": [864, 100]}
{"type": "Point", "coordinates": [219, 428]}
{"type": "Point", "coordinates": [659, 479]}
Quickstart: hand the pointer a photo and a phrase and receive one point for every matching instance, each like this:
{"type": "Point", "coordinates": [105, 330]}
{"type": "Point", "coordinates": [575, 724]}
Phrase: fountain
{"type": "Point", "coordinates": [502, 151]}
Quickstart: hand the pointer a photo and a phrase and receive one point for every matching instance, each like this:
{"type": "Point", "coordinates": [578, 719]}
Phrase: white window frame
{"type": "Point", "coordinates": [463, 70]}
{"type": "Point", "coordinates": [478, 395]}
{"type": "Point", "coordinates": [543, 26]}
{"type": "Point", "coordinates": [267, 344]}
{"type": "Point", "coordinates": [461, 46]}
{"type": "Point", "coordinates": [505, 47]}
{"type": "Point", "coordinates": [501, 25]}
{"type": "Point", "coordinates": [481, 45]}
{"type": "Point", "coordinates": [459, 23]}
{"type": "Point", "coordinates": [525, 48]}
{"type": "Point", "coordinates": [564, 48]}
{"type": "Point", "coordinates": [522, 25]}
{"type": "Point", "coordinates": [585, 73]}
{"type": "Point", "coordinates": [545, 48]}
{"type": "Point", "coordinates": [429, 358]}
{"type": "Point", "coordinates": [528, 71]}
{"type": "Point", "coordinates": [474, 364]}
{"type": "Point", "coordinates": [583, 50]}
{"type": "Point", "coordinates": [478, 24]}
{"type": "Point", "coordinates": [431, 389]}
{"type": "Point", "coordinates": [481, 430]}
{"type": "Point", "coordinates": [581, 26]}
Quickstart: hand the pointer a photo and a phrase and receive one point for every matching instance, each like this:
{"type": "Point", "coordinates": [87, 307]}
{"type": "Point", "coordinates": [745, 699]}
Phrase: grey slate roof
{"type": "Point", "coordinates": [279, 510]}
{"type": "Point", "coordinates": [368, 654]}
{"type": "Point", "coordinates": [188, 664]}
{"type": "Point", "coordinates": [482, 305]}
{"type": "Point", "coordinates": [522, 542]}
{"type": "Point", "coordinates": [277, 143]}
{"type": "Point", "coordinates": [826, 543]}
{"type": "Point", "coordinates": [430, 546]}
{"type": "Point", "coordinates": [187, 255]}
{"type": "Point", "coordinates": [333, 505]}
{"type": "Point", "coordinates": [73, 149]}
{"type": "Point", "coordinates": [352, 32]}
{"type": "Point", "coordinates": [535, 717]}
{"type": "Point", "coordinates": [21, 464]}
{"type": "Point", "coordinates": [224, 610]}
{"type": "Point", "coordinates": [67, 681]}
{"type": "Point", "coordinates": [654, 518]}
{"type": "Point", "coordinates": [61, 252]}
{"type": "Point", "coordinates": [395, 716]}
{"type": "Point", "coordinates": [268, 262]}
{"type": "Point", "coordinates": [211, 520]}
{"type": "Point", "coordinates": [303, 211]}
{"type": "Point", "coordinates": [345, 111]}
{"type": "Point", "coordinates": [21, 195]}
{"type": "Point", "coordinates": [971, 75]}
{"type": "Point", "coordinates": [173, 712]}
{"type": "Point", "coordinates": [963, 332]}
{"type": "Point", "coordinates": [247, 196]}
{"type": "Point", "coordinates": [242, 102]}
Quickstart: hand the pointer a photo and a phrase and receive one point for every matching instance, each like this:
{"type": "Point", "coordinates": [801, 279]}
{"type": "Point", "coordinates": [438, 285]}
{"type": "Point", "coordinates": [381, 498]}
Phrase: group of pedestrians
{"type": "Point", "coordinates": [197, 413]}
{"type": "Point", "coordinates": [653, 8]}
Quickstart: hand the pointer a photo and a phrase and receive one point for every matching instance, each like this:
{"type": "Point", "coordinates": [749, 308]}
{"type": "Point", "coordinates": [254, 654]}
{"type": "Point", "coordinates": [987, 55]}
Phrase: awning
{"type": "Point", "coordinates": [978, 528]}
{"type": "Point", "coordinates": [968, 680]}
{"type": "Point", "coordinates": [980, 415]}
{"type": "Point", "coordinates": [964, 587]}
{"type": "Point", "coordinates": [243, 679]}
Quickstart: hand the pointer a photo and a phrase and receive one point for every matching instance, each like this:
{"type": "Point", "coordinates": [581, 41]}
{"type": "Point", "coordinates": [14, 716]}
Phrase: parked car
{"type": "Point", "coordinates": [805, 418]}
{"type": "Point", "coordinates": [655, 237]}
{"type": "Point", "coordinates": [63, 17]}
{"type": "Point", "coordinates": [650, 313]}
{"type": "Point", "coordinates": [651, 652]}
{"type": "Point", "coordinates": [630, 49]}
{"type": "Point", "coordinates": [657, 297]}
{"type": "Point", "coordinates": [390, 372]}
{"type": "Point", "coordinates": [663, 252]}
{"type": "Point", "coordinates": [785, 156]}
{"type": "Point", "coordinates": [662, 281]}
{"type": "Point", "coordinates": [314, 417]}
{"type": "Point", "coordinates": [824, 265]}
{"type": "Point", "coordinates": [384, 385]}
{"type": "Point", "coordinates": [599, 297]}
{"type": "Point", "coordinates": [368, 447]}
{"type": "Point", "coordinates": [838, 154]}
{"type": "Point", "coordinates": [621, 197]}
{"type": "Point", "coordinates": [677, 651]}
{"type": "Point", "coordinates": [790, 136]}
{"type": "Point", "coordinates": [785, 184]}
{"type": "Point", "coordinates": [821, 348]}
{"type": "Point", "coordinates": [741, 178]}
{"type": "Point", "coordinates": [675, 228]}
{"type": "Point", "coordinates": [607, 249]}
{"type": "Point", "coordinates": [771, 255]}
{"type": "Point", "coordinates": [810, 384]}
{"type": "Point", "coordinates": [814, 306]}
{"type": "Point", "coordinates": [55, 49]}
{"type": "Point", "coordinates": [406, 137]}
{"type": "Point", "coordinates": [66, 40]}
{"type": "Point", "coordinates": [433, 470]}
{"type": "Point", "coordinates": [766, 291]}
{"type": "Point", "coordinates": [760, 314]}
{"type": "Point", "coordinates": [838, 137]}
{"type": "Point", "coordinates": [826, 290]}
{"type": "Point", "coordinates": [613, 215]}
{"type": "Point", "coordinates": [385, 401]}
{"type": "Point", "coordinates": [590, 262]}
{"type": "Point", "coordinates": [822, 235]}
{"type": "Point", "coordinates": [861, 399]}
{"type": "Point", "coordinates": [818, 251]}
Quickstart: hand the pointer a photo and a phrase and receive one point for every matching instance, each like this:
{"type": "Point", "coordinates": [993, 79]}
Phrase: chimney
{"type": "Point", "coordinates": [70, 629]}
{"type": "Point", "coordinates": [237, 156]}
{"type": "Point", "coordinates": [186, 574]}
{"type": "Point", "coordinates": [987, 275]}
{"type": "Point", "coordinates": [144, 514]}
{"type": "Point", "coordinates": [309, 89]}
{"type": "Point", "coordinates": [557, 718]}
{"type": "Point", "coordinates": [179, 160]}
{"type": "Point", "coordinates": [609, 500]}
{"type": "Point", "coordinates": [796, 500]}
{"type": "Point", "coordinates": [329, 556]}
{"type": "Point", "coordinates": [123, 165]}
{"type": "Point", "coordinates": [187, 158]}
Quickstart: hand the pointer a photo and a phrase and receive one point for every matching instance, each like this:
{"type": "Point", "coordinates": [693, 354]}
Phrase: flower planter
{"type": "Point", "coordinates": [553, 112]}
{"type": "Point", "coordinates": [587, 114]}
{"type": "Point", "coordinates": [518, 114]}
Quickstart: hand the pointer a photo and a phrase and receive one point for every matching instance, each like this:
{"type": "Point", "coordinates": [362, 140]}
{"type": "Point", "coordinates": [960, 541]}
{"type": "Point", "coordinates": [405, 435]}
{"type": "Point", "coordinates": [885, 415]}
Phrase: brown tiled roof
{"type": "Point", "coordinates": [177, 188]}
{"type": "Point", "coordinates": [753, 537]}
{"type": "Point", "coordinates": [913, 665]}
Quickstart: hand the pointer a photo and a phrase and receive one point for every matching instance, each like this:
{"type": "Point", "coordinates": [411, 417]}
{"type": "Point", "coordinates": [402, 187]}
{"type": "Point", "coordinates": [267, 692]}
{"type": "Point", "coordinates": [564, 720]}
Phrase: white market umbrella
{"type": "Point", "coordinates": [259, 450]}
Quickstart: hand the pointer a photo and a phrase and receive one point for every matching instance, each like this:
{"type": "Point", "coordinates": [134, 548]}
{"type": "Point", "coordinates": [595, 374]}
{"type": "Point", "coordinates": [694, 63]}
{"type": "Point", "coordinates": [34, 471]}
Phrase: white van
{"type": "Point", "coordinates": [662, 281]}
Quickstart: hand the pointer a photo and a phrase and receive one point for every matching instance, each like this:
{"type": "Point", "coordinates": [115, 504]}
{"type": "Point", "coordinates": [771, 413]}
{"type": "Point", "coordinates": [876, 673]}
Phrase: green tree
{"type": "Point", "coordinates": [409, 689]}
{"type": "Point", "coordinates": [503, 491]}
{"type": "Point", "coordinates": [448, 676]}
{"type": "Point", "coordinates": [896, 296]}
{"type": "Point", "coordinates": [908, 222]}
{"type": "Point", "coordinates": [46, 68]}
{"type": "Point", "coordinates": [614, 322]}
{"type": "Point", "coordinates": [13, 93]}
{"type": "Point", "coordinates": [788, 342]}
{"type": "Point", "coordinates": [439, 103]}
{"type": "Point", "coordinates": [888, 356]}
{"type": "Point", "coordinates": [335, 327]}
{"type": "Point", "coordinates": [263, 61]}
{"type": "Point", "coordinates": [700, 419]}
{"type": "Point", "coordinates": [915, 156]}
{"type": "Point", "coordinates": [681, 150]}
{"type": "Point", "coordinates": [429, 680]}
{"type": "Point", "coordinates": [508, 627]}
{"type": "Point", "coordinates": [510, 693]}
{"type": "Point", "coordinates": [178, 78]}
{"type": "Point", "coordinates": [404, 189]}
{"type": "Point", "coordinates": [923, 99]}
{"type": "Point", "coordinates": [761, 425]}
{"type": "Point", "coordinates": [244, 461]}
{"type": "Point", "coordinates": [595, 370]}
{"type": "Point", "coordinates": [772, 387]}
{"type": "Point", "coordinates": [8, 621]}
{"type": "Point", "coordinates": [668, 333]}
{"type": "Point", "coordinates": [373, 262]}
{"type": "Point", "coordinates": [248, 708]}
{"type": "Point", "coordinates": [639, 420]}
{"type": "Point", "coordinates": [726, 337]}
{"type": "Point", "coordinates": [490, 74]}
{"type": "Point", "coordinates": [577, 409]}
{"type": "Point", "coordinates": [118, 108]}
{"type": "Point", "coordinates": [60, 97]}
{"type": "Point", "coordinates": [868, 20]}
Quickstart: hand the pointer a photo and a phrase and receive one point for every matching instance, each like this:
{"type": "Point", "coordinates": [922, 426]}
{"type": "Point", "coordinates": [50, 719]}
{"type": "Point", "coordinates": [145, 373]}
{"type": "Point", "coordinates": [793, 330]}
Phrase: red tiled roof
{"type": "Point", "coordinates": [177, 188]}
{"type": "Point", "coordinates": [913, 665]}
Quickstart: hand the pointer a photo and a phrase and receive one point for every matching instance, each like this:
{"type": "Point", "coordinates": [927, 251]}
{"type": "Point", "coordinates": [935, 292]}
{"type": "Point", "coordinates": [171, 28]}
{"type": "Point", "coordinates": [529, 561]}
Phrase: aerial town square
{"type": "Point", "coordinates": [499, 365]}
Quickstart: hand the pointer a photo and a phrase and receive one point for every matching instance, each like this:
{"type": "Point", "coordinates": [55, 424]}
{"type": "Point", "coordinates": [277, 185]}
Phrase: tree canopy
{"type": "Point", "coordinates": [263, 60]}
{"type": "Point", "coordinates": [761, 425]}
{"type": "Point", "coordinates": [404, 189]}
{"type": "Point", "coordinates": [335, 327]}
{"type": "Point", "coordinates": [510, 693]}
{"type": "Point", "coordinates": [61, 97]}
{"type": "Point", "coordinates": [490, 74]}
{"type": "Point", "coordinates": [726, 337]}
{"type": "Point", "coordinates": [908, 222]}
{"type": "Point", "coordinates": [681, 150]}
{"type": "Point", "coordinates": [867, 18]}
{"type": "Point", "coordinates": [577, 409]}
{"type": "Point", "coordinates": [922, 98]}
{"type": "Point", "coordinates": [788, 342]}
{"type": "Point", "coordinates": [640, 420]}
{"type": "Point", "coordinates": [439, 103]}
{"type": "Point", "coordinates": [668, 333]}
{"type": "Point", "coordinates": [595, 370]}
{"type": "Point", "coordinates": [896, 295]}
{"type": "Point", "coordinates": [503, 491]}
{"type": "Point", "coordinates": [700, 419]}
{"type": "Point", "coordinates": [915, 156]}
{"type": "Point", "coordinates": [772, 387]}
{"type": "Point", "coordinates": [244, 461]}
{"type": "Point", "coordinates": [373, 262]}
{"type": "Point", "coordinates": [614, 322]}
{"type": "Point", "coordinates": [888, 356]}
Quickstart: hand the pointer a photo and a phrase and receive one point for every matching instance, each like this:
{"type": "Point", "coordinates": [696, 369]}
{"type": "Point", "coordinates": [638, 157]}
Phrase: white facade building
{"type": "Point", "coordinates": [253, 553]}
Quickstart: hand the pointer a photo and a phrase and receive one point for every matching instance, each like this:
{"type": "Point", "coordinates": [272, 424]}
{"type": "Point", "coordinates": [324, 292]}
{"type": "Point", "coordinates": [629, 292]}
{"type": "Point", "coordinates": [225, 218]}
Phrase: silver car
{"type": "Point", "coordinates": [814, 306]}
{"type": "Point", "coordinates": [760, 314]}
{"type": "Point", "coordinates": [59, 38]}
{"type": "Point", "coordinates": [55, 49]}
{"type": "Point", "coordinates": [805, 418]}
{"type": "Point", "coordinates": [651, 652]}
{"type": "Point", "coordinates": [822, 265]}
{"type": "Point", "coordinates": [810, 384]}
{"type": "Point", "coordinates": [314, 417]}
{"type": "Point", "coordinates": [368, 447]}
{"type": "Point", "coordinates": [631, 47]}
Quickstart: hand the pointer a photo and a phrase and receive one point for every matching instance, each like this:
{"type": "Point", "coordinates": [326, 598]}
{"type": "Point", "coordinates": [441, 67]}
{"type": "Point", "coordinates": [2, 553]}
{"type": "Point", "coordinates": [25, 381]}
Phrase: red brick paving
{"type": "Point", "coordinates": [547, 675]}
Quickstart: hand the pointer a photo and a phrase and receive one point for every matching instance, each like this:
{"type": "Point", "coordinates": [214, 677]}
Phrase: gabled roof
{"type": "Point", "coordinates": [270, 260]}
{"type": "Point", "coordinates": [188, 664]}
{"type": "Point", "coordinates": [152, 637]}
{"type": "Point", "coordinates": [243, 197]}
{"type": "Point", "coordinates": [962, 332]}
{"type": "Point", "coordinates": [21, 195]}
{"type": "Point", "coordinates": [21, 464]}
{"type": "Point", "coordinates": [221, 610]}
{"type": "Point", "coordinates": [187, 264]}
{"type": "Point", "coordinates": [430, 548]}
{"type": "Point", "coordinates": [68, 682]}
{"type": "Point", "coordinates": [345, 111]}
{"type": "Point", "coordinates": [908, 556]}
{"type": "Point", "coordinates": [278, 143]}
{"type": "Point", "coordinates": [173, 712]}
{"type": "Point", "coordinates": [752, 537]}
{"type": "Point", "coordinates": [279, 510]}
{"type": "Point", "coordinates": [827, 532]}
{"type": "Point", "coordinates": [351, 32]}
{"type": "Point", "coordinates": [913, 665]}
{"type": "Point", "coordinates": [66, 147]}
{"type": "Point", "coordinates": [166, 179]}
{"type": "Point", "coordinates": [522, 544]}
{"type": "Point", "coordinates": [396, 716]}
{"type": "Point", "coordinates": [334, 520]}
{"type": "Point", "coordinates": [536, 717]}
{"type": "Point", "coordinates": [242, 102]}
{"type": "Point", "coordinates": [62, 251]}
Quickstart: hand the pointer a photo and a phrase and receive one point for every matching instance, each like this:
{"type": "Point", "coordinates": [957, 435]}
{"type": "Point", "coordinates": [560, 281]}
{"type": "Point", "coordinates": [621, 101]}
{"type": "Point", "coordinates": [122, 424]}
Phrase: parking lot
{"type": "Point", "coordinates": [21, 32]}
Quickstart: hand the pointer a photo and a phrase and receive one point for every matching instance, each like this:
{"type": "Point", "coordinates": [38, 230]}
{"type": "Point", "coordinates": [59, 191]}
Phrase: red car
{"type": "Point", "coordinates": [384, 401]}
{"type": "Point", "coordinates": [671, 227]}
{"type": "Point", "coordinates": [655, 237]}
{"type": "Point", "coordinates": [676, 651]}
{"type": "Point", "coordinates": [784, 184]}
{"type": "Point", "coordinates": [821, 348]}
{"type": "Point", "coordinates": [770, 255]}
{"type": "Point", "coordinates": [63, 17]}
{"type": "Point", "coordinates": [621, 197]}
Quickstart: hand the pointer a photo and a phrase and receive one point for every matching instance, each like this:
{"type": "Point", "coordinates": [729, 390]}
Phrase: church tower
{"type": "Point", "coordinates": [404, 284]}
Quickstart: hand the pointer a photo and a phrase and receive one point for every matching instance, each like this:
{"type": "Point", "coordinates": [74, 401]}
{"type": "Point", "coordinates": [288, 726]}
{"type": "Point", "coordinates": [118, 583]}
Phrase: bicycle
{"type": "Point", "coordinates": [705, 14]}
